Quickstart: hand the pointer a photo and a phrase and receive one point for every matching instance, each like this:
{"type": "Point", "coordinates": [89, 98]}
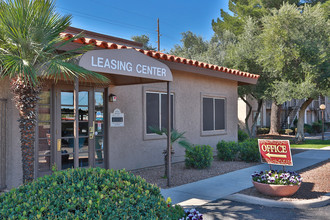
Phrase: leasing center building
{"type": "Point", "coordinates": [114, 120]}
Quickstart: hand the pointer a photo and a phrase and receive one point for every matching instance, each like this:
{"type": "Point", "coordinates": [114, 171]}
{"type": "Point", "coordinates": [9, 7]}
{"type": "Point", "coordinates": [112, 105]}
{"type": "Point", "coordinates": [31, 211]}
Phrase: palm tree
{"type": "Point", "coordinates": [29, 42]}
{"type": "Point", "coordinates": [176, 136]}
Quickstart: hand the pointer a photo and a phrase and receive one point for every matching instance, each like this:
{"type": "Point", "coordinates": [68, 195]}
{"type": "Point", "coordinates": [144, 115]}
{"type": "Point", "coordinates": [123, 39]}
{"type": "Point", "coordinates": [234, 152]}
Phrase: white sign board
{"type": "Point", "coordinates": [117, 118]}
{"type": "Point", "coordinates": [126, 62]}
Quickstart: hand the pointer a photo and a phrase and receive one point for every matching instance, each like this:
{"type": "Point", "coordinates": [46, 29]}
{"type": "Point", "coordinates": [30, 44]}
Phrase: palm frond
{"type": "Point", "coordinates": [30, 40]}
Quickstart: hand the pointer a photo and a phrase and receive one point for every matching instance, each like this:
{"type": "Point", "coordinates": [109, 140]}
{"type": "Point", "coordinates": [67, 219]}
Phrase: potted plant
{"type": "Point", "coordinates": [276, 183]}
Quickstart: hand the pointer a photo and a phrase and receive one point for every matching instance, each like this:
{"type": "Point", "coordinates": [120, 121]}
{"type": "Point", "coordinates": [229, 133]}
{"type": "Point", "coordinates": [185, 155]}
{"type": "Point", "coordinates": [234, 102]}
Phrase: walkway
{"type": "Point", "coordinates": [207, 190]}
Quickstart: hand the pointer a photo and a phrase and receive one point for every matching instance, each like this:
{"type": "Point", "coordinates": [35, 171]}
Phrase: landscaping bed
{"type": "Point", "coordinates": [315, 178]}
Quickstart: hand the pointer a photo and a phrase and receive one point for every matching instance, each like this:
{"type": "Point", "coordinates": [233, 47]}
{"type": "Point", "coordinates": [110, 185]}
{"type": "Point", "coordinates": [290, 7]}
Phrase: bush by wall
{"type": "Point", "coordinates": [227, 150]}
{"type": "Point", "coordinates": [242, 135]}
{"type": "Point", "coordinates": [92, 193]}
{"type": "Point", "coordinates": [199, 157]}
{"type": "Point", "coordinates": [249, 151]}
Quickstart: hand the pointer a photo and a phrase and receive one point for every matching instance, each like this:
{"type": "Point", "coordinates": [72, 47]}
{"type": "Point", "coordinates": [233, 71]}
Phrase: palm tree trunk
{"type": "Point", "coordinates": [300, 136]}
{"type": "Point", "coordinates": [26, 99]}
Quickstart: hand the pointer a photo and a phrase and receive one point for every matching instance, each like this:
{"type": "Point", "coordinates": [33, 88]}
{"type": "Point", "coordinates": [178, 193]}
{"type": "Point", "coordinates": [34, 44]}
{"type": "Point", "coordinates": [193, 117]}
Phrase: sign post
{"type": "Point", "coordinates": [275, 152]}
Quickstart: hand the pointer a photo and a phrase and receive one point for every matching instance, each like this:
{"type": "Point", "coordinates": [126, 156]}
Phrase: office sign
{"type": "Point", "coordinates": [127, 62]}
{"type": "Point", "coordinates": [275, 152]}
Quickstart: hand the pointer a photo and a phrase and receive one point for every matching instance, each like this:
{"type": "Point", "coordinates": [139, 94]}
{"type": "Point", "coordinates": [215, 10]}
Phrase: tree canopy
{"type": "Point", "coordinates": [144, 39]}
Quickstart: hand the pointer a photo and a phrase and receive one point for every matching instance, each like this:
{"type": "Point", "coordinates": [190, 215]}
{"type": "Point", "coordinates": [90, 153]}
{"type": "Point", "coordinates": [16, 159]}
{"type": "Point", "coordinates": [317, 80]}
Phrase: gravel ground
{"type": "Point", "coordinates": [315, 184]}
{"type": "Point", "coordinates": [181, 175]}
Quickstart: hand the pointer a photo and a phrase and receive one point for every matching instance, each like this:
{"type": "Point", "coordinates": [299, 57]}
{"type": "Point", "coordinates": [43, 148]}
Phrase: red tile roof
{"type": "Point", "coordinates": [159, 55]}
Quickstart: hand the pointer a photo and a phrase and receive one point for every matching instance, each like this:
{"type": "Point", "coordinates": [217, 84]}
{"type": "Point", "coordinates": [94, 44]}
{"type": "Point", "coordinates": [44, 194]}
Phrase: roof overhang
{"type": "Point", "coordinates": [225, 74]}
{"type": "Point", "coordinates": [126, 67]}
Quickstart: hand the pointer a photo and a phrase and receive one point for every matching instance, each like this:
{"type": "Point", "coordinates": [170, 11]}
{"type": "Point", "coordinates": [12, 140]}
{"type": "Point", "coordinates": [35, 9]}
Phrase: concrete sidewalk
{"type": "Point", "coordinates": [207, 190]}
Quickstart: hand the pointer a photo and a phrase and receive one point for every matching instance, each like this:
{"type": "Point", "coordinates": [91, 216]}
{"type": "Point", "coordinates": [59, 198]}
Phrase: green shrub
{"type": "Point", "coordinates": [317, 127]}
{"type": "Point", "coordinates": [249, 151]}
{"type": "Point", "coordinates": [281, 131]}
{"type": "Point", "coordinates": [227, 150]}
{"type": "Point", "coordinates": [199, 157]}
{"type": "Point", "coordinates": [263, 131]}
{"type": "Point", "coordinates": [308, 128]}
{"type": "Point", "coordinates": [242, 135]}
{"type": "Point", "coordinates": [92, 193]}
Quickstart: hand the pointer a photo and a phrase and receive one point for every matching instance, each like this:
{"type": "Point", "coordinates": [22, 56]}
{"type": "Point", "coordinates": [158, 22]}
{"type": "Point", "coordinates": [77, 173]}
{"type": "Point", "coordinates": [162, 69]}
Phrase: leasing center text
{"type": "Point", "coordinates": [113, 64]}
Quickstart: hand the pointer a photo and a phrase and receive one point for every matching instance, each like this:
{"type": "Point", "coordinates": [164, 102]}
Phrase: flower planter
{"type": "Point", "coordinates": [276, 190]}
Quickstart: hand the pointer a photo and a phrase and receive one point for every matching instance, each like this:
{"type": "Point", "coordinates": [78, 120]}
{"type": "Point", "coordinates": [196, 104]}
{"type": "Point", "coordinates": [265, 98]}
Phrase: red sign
{"type": "Point", "coordinates": [275, 152]}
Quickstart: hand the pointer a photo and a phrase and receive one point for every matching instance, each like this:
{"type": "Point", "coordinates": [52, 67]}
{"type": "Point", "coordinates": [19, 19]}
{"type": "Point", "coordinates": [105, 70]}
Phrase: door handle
{"type": "Point", "coordinates": [58, 144]}
{"type": "Point", "coordinates": [92, 131]}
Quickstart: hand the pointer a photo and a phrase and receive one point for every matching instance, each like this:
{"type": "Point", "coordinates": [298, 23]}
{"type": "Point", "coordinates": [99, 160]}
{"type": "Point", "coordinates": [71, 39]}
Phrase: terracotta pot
{"type": "Point", "coordinates": [276, 190]}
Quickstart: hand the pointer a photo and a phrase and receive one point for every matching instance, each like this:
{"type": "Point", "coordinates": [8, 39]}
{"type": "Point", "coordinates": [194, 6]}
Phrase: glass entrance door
{"type": "Point", "coordinates": [89, 151]}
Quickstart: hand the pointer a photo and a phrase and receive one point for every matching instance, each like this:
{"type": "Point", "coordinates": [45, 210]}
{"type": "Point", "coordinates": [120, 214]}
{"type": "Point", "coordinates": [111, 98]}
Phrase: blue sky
{"type": "Point", "coordinates": [126, 18]}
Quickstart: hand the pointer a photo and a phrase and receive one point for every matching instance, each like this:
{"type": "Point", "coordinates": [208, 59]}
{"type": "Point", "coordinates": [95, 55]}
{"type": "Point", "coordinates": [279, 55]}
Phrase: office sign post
{"type": "Point", "coordinates": [275, 152]}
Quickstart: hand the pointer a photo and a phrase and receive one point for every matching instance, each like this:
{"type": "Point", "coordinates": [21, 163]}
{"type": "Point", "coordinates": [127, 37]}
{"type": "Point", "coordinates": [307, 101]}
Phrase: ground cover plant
{"type": "Point", "coordinates": [316, 144]}
{"type": "Point", "coordinates": [92, 193]}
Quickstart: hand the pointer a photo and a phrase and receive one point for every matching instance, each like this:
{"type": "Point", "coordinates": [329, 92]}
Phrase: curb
{"type": "Point", "coordinates": [306, 204]}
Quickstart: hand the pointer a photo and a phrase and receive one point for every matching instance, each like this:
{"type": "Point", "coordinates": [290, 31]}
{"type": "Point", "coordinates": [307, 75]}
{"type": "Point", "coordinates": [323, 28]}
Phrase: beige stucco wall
{"type": "Point", "coordinates": [129, 150]}
{"type": "Point", "coordinates": [13, 152]}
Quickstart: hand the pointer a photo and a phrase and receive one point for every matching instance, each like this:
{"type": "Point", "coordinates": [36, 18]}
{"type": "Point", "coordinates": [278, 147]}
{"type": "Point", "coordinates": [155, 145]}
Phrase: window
{"type": "Point", "coordinates": [156, 111]}
{"type": "Point", "coordinates": [213, 114]}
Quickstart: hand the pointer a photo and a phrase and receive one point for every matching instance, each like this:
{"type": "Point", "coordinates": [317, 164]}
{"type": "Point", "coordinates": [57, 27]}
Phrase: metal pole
{"type": "Point", "coordinates": [76, 123]}
{"type": "Point", "coordinates": [169, 127]}
{"type": "Point", "coordinates": [158, 34]}
{"type": "Point", "coordinates": [322, 126]}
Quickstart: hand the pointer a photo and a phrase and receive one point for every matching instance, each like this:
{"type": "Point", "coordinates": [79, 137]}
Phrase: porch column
{"type": "Point", "coordinates": [3, 143]}
{"type": "Point", "coordinates": [106, 121]}
{"type": "Point", "coordinates": [169, 133]}
{"type": "Point", "coordinates": [76, 122]}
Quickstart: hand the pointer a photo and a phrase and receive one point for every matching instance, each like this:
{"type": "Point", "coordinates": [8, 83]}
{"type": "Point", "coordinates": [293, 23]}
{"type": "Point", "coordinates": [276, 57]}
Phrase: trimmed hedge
{"type": "Point", "coordinates": [227, 150]}
{"type": "Point", "coordinates": [249, 151]}
{"type": "Point", "coordinates": [199, 157]}
{"type": "Point", "coordinates": [242, 135]}
{"type": "Point", "coordinates": [92, 193]}
{"type": "Point", "coordinates": [263, 131]}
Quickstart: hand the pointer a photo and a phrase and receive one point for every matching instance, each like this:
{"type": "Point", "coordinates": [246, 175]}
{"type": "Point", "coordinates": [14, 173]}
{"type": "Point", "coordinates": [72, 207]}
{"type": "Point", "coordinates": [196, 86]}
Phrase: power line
{"type": "Point", "coordinates": [142, 15]}
{"type": "Point", "coordinates": [107, 20]}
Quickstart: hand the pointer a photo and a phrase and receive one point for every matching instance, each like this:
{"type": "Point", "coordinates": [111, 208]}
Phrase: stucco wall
{"type": "Point", "coordinates": [13, 152]}
{"type": "Point", "coordinates": [129, 150]}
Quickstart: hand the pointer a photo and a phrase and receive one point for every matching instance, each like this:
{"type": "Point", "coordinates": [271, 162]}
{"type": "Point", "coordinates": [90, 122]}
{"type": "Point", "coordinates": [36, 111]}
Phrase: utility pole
{"type": "Point", "coordinates": [158, 34]}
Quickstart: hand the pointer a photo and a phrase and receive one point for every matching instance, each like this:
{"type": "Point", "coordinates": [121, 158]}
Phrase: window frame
{"type": "Point", "coordinates": [214, 97]}
{"type": "Point", "coordinates": [158, 91]}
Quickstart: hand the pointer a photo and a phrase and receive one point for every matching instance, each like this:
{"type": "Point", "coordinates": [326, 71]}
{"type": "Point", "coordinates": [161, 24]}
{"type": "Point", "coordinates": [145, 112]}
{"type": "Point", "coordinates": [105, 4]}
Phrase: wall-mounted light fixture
{"type": "Point", "coordinates": [112, 98]}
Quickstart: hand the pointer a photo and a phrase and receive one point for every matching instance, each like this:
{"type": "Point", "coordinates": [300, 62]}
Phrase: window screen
{"type": "Point", "coordinates": [208, 114]}
{"type": "Point", "coordinates": [213, 114]}
{"type": "Point", "coordinates": [156, 111]}
{"type": "Point", "coordinates": [152, 111]}
{"type": "Point", "coordinates": [219, 114]}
